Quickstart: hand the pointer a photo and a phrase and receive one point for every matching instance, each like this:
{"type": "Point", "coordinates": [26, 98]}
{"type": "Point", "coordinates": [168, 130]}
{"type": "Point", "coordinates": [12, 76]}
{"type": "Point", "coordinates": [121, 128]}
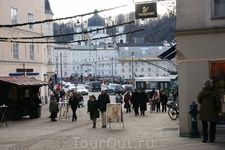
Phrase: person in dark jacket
{"type": "Point", "coordinates": [53, 108]}
{"type": "Point", "coordinates": [135, 100]}
{"type": "Point", "coordinates": [93, 109]}
{"type": "Point", "coordinates": [127, 98]}
{"type": "Point", "coordinates": [143, 99]}
{"type": "Point", "coordinates": [73, 102]}
{"type": "Point", "coordinates": [209, 109]}
{"type": "Point", "coordinates": [103, 100]}
{"type": "Point", "coordinates": [164, 100]}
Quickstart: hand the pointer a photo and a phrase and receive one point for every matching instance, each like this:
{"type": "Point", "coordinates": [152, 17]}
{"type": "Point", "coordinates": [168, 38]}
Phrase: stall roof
{"type": "Point", "coordinates": [22, 81]}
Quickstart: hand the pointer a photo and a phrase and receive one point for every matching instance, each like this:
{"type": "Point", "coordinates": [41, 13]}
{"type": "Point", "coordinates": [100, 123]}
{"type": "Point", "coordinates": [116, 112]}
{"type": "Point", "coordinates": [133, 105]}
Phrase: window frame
{"type": "Point", "coordinates": [32, 54]}
{"type": "Point", "coordinates": [213, 13]}
{"type": "Point", "coordinates": [30, 19]}
{"type": "Point", "coordinates": [14, 19]}
{"type": "Point", "coordinates": [16, 49]}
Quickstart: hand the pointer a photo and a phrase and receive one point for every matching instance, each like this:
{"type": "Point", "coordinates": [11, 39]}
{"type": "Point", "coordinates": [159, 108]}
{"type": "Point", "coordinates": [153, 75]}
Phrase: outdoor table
{"type": "Point", "coordinates": [2, 111]}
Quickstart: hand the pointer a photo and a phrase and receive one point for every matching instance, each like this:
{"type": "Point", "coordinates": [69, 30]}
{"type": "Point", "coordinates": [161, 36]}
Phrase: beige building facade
{"type": "Point", "coordinates": [200, 53]}
{"type": "Point", "coordinates": [35, 58]}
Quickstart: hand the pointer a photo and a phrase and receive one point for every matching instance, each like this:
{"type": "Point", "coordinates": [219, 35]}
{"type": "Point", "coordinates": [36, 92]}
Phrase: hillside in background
{"type": "Point", "coordinates": [156, 29]}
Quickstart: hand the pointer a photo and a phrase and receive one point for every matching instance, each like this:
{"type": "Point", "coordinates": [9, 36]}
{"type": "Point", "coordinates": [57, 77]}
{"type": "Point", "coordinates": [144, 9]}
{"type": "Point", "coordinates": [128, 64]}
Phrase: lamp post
{"type": "Point", "coordinates": [112, 72]}
{"type": "Point", "coordinates": [132, 55]}
{"type": "Point", "coordinates": [57, 67]}
{"type": "Point", "coordinates": [61, 67]}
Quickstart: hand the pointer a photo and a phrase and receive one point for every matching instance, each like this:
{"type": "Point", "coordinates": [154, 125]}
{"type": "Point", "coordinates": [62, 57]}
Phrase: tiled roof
{"type": "Point", "coordinates": [22, 81]}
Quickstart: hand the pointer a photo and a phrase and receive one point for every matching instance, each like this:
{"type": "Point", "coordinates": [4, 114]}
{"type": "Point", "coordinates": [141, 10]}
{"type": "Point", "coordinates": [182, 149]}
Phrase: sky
{"type": "Point", "coordinates": [66, 8]}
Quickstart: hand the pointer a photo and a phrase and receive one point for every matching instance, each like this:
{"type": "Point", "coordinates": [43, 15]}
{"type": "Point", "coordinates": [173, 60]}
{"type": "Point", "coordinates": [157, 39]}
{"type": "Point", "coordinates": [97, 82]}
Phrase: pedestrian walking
{"type": "Point", "coordinates": [119, 98]}
{"type": "Point", "coordinates": [135, 100]}
{"type": "Point", "coordinates": [175, 94]}
{"type": "Point", "coordinates": [73, 102]}
{"type": "Point", "coordinates": [93, 109]}
{"type": "Point", "coordinates": [209, 109]}
{"type": "Point", "coordinates": [156, 100]}
{"type": "Point", "coordinates": [143, 100]}
{"type": "Point", "coordinates": [53, 108]}
{"type": "Point", "coordinates": [164, 100]}
{"type": "Point", "coordinates": [127, 102]}
{"type": "Point", "coordinates": [103, 100]}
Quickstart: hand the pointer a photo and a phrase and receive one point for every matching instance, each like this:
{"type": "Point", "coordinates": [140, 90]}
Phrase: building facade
{"type": "Point", "coordinates": [35, 57]}
{"type": "Point", "coordinates": [86, 60]}
{"type": "Point", "coordinates": [147, 52]}
{"type": "Point", "coordinates": [200, 37]}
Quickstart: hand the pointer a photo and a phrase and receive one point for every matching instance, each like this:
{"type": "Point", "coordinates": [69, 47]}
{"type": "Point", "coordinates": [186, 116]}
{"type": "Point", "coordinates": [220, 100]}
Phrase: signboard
{"type": "Point", "coordinates": [147, 10]}
{"type": "Point", "coordinates": [113, 114]}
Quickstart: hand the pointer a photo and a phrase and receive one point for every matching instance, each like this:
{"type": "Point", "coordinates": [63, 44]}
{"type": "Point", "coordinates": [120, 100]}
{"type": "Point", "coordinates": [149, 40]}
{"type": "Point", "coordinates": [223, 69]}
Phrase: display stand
{"type": "Point", "coordinates": [64, 111]}
{"type": "Point", "coordinates": [114, 114]}
{"type": "Point", "coordinates": [2, 111]}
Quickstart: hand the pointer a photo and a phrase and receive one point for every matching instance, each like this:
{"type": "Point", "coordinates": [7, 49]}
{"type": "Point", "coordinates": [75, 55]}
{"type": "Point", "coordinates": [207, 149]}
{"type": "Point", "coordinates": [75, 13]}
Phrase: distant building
{"type": "Point", "coordinates": [147, 52]}
{"type": "Point", "coordinates": [97, 22]}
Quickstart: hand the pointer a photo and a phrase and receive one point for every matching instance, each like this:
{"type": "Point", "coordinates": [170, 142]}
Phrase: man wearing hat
{"type": "Point", "coordinates": [103, 100]}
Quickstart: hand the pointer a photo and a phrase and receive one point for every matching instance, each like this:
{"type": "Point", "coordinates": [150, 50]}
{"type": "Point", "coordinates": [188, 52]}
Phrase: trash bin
{"type": "Point", "coordinates": [39, 110]}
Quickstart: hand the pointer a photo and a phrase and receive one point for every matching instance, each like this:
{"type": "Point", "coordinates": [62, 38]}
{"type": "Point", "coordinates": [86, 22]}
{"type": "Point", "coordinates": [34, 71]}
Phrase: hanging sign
{"type": "Point", "coordinates": [148, 10]}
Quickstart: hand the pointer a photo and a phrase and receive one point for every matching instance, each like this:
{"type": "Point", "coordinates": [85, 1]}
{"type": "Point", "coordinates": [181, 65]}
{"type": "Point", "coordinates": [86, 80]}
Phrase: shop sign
{"type": "Point", "coordinates": [148, 10]}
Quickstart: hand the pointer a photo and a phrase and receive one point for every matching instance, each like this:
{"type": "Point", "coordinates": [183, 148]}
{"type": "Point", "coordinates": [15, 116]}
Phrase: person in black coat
{"type": "Point", "coordinates": [103, 100]}
{"type": "Point", "coordinates": [164, 100]}
{"type": "Point", "coordinates": [135, 100]}
{"type": "Point", "coordinates": [143, 99]}
{"type": "Point", "coordinates": [73, 102]}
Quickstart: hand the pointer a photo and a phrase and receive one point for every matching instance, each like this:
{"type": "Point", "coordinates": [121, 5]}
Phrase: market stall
{"type": "Point", "coordinates": [21, 95]}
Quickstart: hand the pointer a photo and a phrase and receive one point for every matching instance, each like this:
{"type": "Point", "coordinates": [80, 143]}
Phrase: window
{"type": "Point", "coordinates": [129, 64]}
{"type": "Point", "coordinates": [123, 76]}
{"type": "Point", "coordinates": [77, 67]}
{"type": "Point", "coordinates": [65, 66]}
{"type": "Point", "coordinates": [149, 69]}
{"type": "Point", "coordinates": [136, 69]}
{"type": "Point", "coordinates": [129, 69]}
{"type": "Point", "coordinates": [130, 76]}
{"type": "Point", "coordinates": [115, 65]}
{"type": "Point", "coordinates": [102, 73]}
{"type": "Point", "coordinates": [219, 10]}
{"type": "Point", "coordinates": [65, 73]}
{"type": "Point", "coordinates": [115, 72]}
{"type": "Point", "coordinates": [136, 63]}
{"type": "Point", "coordinates": [16, 51]}
{"type": "Point", "coordinates": [109, 72]}
{"type": "Point", "coordinates": [122, 70]}
{"type": "Point", "coordinates": [122, 64]}
{"type": "Point", "coordinates": [32, 54]}
{"type": "Point", "coordinates": [142, 63]}
{"type": "Point", "coordinates": [142, 69]}
{"type": "Point", "coordinates": [149, 75]}
{"type": "Point", "coordinates": [14, 15]}
{"type": "Point", "coordinates": [49, 29]}
{"type": "Point", "coordinates": [31, 19]}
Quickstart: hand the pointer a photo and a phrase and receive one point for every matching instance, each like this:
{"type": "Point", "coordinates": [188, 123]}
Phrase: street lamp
{"type": "Point", "coordinates": [132, 55]}
{"type": "Point", "coordinates": [61, 67]}
{"type": "Point", "coordinates": [112, 72]}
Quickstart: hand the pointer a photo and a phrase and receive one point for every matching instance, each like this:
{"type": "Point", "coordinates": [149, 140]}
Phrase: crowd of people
{"type": "Point", "coordinates": [98, 106]}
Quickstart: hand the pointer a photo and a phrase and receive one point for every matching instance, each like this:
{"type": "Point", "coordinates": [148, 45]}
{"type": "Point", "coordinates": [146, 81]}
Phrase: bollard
{"type": "Point", "coordinates": [194, 125]}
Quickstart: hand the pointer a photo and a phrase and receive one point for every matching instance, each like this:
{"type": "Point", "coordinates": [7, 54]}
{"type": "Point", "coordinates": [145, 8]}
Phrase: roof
{"type": "Point", "coordinates": [169, 54]}
{"type": "Point", "coordinates": [22, 81]}
{"type": "Point", "coordinates": [48, 9]}
{"type": "Point", "coordinates": [96, 20]}
{"type": "Point", "coordinates": [138, 44]}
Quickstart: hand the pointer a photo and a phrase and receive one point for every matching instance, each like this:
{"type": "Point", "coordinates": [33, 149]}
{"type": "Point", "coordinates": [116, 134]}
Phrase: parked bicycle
{"type": "Point", "coordinates": [173, 110]}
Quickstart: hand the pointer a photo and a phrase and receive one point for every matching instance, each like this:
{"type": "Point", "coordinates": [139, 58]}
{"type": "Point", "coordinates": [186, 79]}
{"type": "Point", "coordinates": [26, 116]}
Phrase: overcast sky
{"type": "Point", "coordinates": [66, 8]}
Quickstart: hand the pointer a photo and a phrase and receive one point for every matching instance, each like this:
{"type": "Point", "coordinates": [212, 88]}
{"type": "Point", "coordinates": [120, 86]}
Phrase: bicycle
{"type": "Point", "coordinates": [173, 111]}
